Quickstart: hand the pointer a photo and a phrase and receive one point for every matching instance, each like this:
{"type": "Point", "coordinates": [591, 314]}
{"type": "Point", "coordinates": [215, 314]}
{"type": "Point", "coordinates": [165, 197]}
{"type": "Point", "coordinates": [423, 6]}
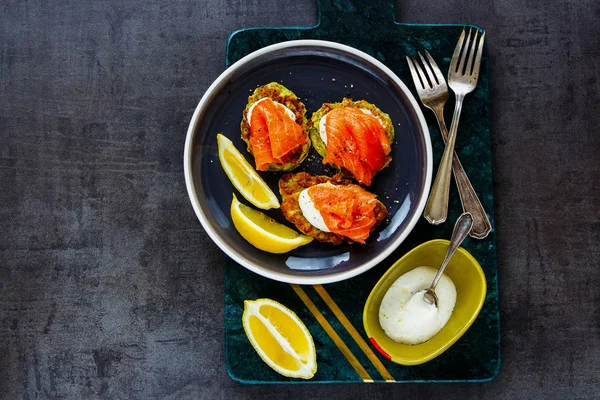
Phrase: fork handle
{"type": "Point", "coordinates": [468, 198]}
{"type": "Point", "coordinates": [436, 209]}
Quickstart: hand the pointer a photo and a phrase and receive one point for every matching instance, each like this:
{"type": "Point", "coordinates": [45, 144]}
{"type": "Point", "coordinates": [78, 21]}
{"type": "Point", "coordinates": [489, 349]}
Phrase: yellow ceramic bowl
{"type": "Point", "coordinates": [469, 279]}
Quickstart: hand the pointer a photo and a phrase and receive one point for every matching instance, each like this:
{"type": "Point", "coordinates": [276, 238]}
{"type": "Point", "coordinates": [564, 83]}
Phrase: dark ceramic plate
{"type": "Point", "coordinates": [318, 72]}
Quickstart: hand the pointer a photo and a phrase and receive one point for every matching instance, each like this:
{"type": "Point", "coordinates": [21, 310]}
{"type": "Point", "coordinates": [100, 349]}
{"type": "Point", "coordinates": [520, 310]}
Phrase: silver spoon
{"type": "Point", "coordinates": [460, 232]}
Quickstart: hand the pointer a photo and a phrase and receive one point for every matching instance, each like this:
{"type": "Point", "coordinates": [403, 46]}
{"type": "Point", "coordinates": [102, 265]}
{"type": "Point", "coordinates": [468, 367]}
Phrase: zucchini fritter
{"type": "Point", "coordinates": [290, 186]}
{"type": "Point", "coordinates": [282, 95]}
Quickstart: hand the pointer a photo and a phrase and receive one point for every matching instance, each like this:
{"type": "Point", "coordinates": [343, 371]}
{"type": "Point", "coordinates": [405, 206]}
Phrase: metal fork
{"type": "Point", "coordinates": [433, 94]}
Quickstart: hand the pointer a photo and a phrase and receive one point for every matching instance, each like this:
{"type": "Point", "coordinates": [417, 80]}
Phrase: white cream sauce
{"type": "Point", "coordinates": [310, 212]}
{"type": "Point", "coordinates": [406, 317]}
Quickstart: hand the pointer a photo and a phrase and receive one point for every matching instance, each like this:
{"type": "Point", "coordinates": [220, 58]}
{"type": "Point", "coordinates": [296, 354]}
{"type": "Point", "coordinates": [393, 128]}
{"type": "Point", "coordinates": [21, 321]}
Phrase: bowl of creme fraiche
{"type": "Point", "coordinates": [470, 285]}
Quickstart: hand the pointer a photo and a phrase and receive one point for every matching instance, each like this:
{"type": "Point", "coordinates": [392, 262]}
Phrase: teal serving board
{"type": "Point", "coordinates": [370, 27]}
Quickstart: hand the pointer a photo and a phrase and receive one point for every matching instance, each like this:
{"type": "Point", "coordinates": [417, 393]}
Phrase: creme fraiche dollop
{"type": "Point", "coordinates": [406, 317]}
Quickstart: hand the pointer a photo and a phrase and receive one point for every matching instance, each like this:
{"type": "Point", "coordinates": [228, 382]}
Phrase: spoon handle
{"type": "Point", "coordinates": [460, 232]}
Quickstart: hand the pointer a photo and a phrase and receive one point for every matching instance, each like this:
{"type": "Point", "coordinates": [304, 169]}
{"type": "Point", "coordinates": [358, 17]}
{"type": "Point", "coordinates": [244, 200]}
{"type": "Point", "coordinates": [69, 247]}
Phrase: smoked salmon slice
{"type": "Point", "coordinates": [357, 142]}
{"type": "Point", "coordinates": [347, 210]}
{"type": "Point", "coordinates": [275, 136]}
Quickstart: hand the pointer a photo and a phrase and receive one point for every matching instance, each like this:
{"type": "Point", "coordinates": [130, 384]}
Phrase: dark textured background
{"type": "Point", "coordinates": [109, 287]}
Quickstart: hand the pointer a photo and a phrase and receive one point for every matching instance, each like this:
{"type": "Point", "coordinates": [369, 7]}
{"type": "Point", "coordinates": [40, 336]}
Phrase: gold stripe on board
{"type": "Point", "coordinates": [354, 333]}
{"type": "Point", "coordinates": [332, 334]}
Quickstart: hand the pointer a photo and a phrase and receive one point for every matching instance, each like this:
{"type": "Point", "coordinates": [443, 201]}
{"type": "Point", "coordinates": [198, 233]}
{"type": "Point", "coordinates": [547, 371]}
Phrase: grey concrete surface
{"type": "Point", "coordinates": [110, 288]}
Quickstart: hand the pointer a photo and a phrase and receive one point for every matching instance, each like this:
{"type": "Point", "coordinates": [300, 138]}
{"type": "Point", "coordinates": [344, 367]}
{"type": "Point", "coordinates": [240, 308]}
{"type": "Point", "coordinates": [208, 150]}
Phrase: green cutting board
{"type": "Point", "coordinates": [370, 27]}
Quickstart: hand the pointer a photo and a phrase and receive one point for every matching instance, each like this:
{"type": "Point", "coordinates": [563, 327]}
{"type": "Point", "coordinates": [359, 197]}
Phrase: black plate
{"type": "Point", "coordinates": [317, 72]}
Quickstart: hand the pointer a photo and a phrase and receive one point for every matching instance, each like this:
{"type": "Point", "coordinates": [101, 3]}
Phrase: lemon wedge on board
{"type": "Point", "coordinates": [263, 232]}
{"type": "Point", "coordinates": [245, 178]}
{"type": "Point", "coordinates": [280, 338]}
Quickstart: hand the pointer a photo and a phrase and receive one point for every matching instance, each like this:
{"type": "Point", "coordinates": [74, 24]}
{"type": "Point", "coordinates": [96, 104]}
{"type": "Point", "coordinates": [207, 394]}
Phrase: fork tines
{"type": "Point", "coordinates": [427, 77]}
{"type": "Point", "coordinates": [463, 47]}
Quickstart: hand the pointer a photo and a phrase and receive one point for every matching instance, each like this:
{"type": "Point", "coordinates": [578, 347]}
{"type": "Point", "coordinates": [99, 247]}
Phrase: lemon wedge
{"type": "Point", "coordinates": [280, 338]}
{"type": "Point", "coordinates": [263, 232]}
{"type": "Point", "coordinates": [244, 177]}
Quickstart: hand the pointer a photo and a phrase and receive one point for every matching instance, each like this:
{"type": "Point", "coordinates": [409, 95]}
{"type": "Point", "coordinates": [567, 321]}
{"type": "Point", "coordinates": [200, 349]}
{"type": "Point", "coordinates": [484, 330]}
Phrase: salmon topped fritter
{"type": "Point", "coordinates": [354, 136]}
{"type": "Point", "coordinates": [274, 128]}
{"type": "Point", "coordinates": [351, 213]}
